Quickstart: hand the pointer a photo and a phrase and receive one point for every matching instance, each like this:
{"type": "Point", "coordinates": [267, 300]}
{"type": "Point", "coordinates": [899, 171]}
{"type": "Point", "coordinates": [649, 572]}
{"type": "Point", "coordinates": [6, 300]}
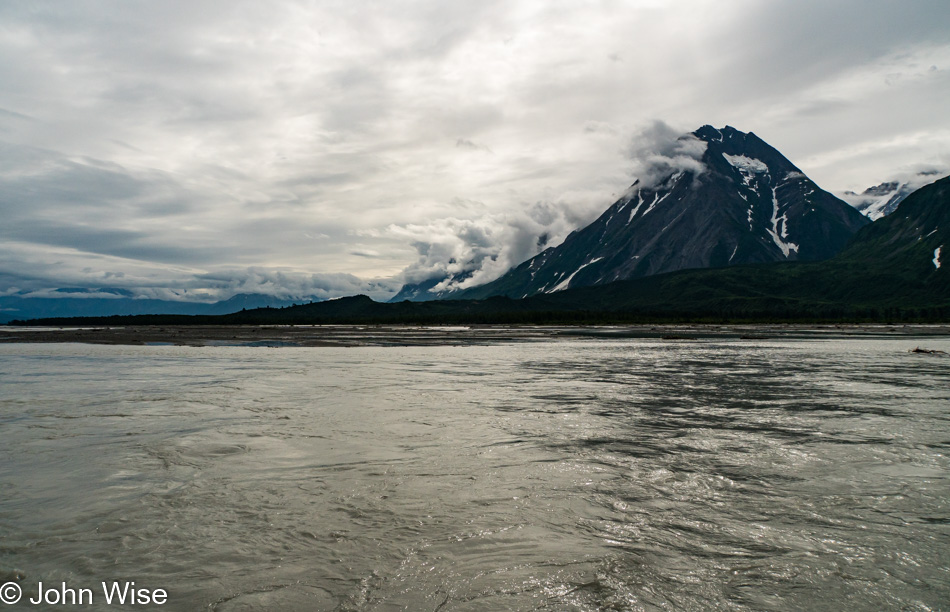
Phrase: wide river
{"type": "Point", "coordinates": [568, 474]}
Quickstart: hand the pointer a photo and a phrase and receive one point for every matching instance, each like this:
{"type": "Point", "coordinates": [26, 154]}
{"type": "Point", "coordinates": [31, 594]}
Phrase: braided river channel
{"type": "Point", "coordinates": [566, 473]}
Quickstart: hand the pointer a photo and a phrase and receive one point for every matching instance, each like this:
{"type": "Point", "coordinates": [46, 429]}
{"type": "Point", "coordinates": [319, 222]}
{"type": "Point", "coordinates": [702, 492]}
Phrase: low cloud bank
{"type": "Point", "coordinates": [210, 287]}
{"type": "Point", "coordinates": [483, 249]}
{"type": "Point", "coordinates": [294, 285]}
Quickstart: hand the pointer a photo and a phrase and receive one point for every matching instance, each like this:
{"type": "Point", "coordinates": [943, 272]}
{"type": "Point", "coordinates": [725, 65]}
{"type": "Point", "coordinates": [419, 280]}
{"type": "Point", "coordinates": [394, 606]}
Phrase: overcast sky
{"type": "Point", "coordinates": [324, 148]}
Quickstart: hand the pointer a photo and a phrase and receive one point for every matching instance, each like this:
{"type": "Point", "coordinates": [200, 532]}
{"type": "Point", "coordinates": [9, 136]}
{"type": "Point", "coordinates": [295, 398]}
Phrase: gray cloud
{"type": "Point", "coordinates": [464, 143]}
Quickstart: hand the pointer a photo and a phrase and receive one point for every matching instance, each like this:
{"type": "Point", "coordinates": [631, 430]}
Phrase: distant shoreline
{"type": "Point", "coordinates": [444, 335]}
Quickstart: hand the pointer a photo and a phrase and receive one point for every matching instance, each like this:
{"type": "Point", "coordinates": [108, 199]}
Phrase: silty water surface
{"type": "Point", "coordinates": [561, 475]}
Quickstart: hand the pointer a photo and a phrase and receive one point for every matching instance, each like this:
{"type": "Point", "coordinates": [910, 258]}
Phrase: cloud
{"type": "Point", "coordinates": [464, 143]}
{"type": "Point", "coordinates": [911, 178]}
{"type": "Point", "coordinates": [365, 253]}
{"type": "Point", "coordinates": [291, 284]}
{"type": "Point", "coordinates": [658, 151]}
{"type": "Point", "coordinates": [27, 269]}
{"type": "Point", "coordinates": [482, 249]}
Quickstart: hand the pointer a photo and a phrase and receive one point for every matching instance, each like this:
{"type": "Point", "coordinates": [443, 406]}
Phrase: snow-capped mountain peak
{"type": "Point", "coordinates": [883, 199]}
{"type": "Point", "coordinates": [737, 201]}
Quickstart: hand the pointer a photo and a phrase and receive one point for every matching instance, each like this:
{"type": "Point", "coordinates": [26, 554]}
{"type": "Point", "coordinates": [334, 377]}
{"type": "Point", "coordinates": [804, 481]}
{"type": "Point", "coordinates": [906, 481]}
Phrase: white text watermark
{"type": "Point", "coordinates": [118, 593]}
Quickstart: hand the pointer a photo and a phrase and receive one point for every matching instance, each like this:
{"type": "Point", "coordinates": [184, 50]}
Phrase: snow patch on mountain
{"type": "Point", "coordinates": [747, 164]}
{"type": "Point", "coordinates": [937, 257]}
{"type": "Point", "coordinates": [633, 213]}
{"type": "Point", "coordinates": [748, 167]}
{"type": "Point", "coordinates": [779, 229]}
{"type": "Point", "coordinates": [567, 281]}
{"type": "Point", "coordinates": [656, 200]}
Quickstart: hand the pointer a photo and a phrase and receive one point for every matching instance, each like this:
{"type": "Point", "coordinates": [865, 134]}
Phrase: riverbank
{"type": "Point", "coordinates": [414, 335]}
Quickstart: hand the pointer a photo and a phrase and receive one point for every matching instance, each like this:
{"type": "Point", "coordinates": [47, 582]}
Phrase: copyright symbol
{"type": "Point", "coordinates": [10, 593]}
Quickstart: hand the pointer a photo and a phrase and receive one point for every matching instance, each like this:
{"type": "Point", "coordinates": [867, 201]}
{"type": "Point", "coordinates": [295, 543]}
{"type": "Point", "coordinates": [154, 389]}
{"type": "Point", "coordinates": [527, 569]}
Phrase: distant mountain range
{"type": "Point", "coordinates": [743, 203]}
{"type": "Point", "coordinates": [107, 301]}
{"type": "Point", "coordinates": [893, 270]}
{"type": "Point", "coordinates": [728, 234]}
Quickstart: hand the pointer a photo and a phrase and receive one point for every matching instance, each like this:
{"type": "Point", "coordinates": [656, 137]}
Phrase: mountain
{"type": "Point", "coordinates": [111, 301]}
{"type": "Point", "coordinates": [249, 301]}
{"type": "Point", "coordinates": [895, 267]}
{"type": "Point", "coordinates": [748, 205]}
{"type": "Point", "coordinates": [424, 291]}
{"type": "Point", "coordinates": [880, 200]}
{"type": "Point", "coordinates": [910, 243]}
{"type": "Point", "coordinates": [418, 292]}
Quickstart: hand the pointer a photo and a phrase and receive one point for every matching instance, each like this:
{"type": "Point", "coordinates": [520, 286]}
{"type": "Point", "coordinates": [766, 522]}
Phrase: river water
{"type": "Point", "coordinates": [584, 474]}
